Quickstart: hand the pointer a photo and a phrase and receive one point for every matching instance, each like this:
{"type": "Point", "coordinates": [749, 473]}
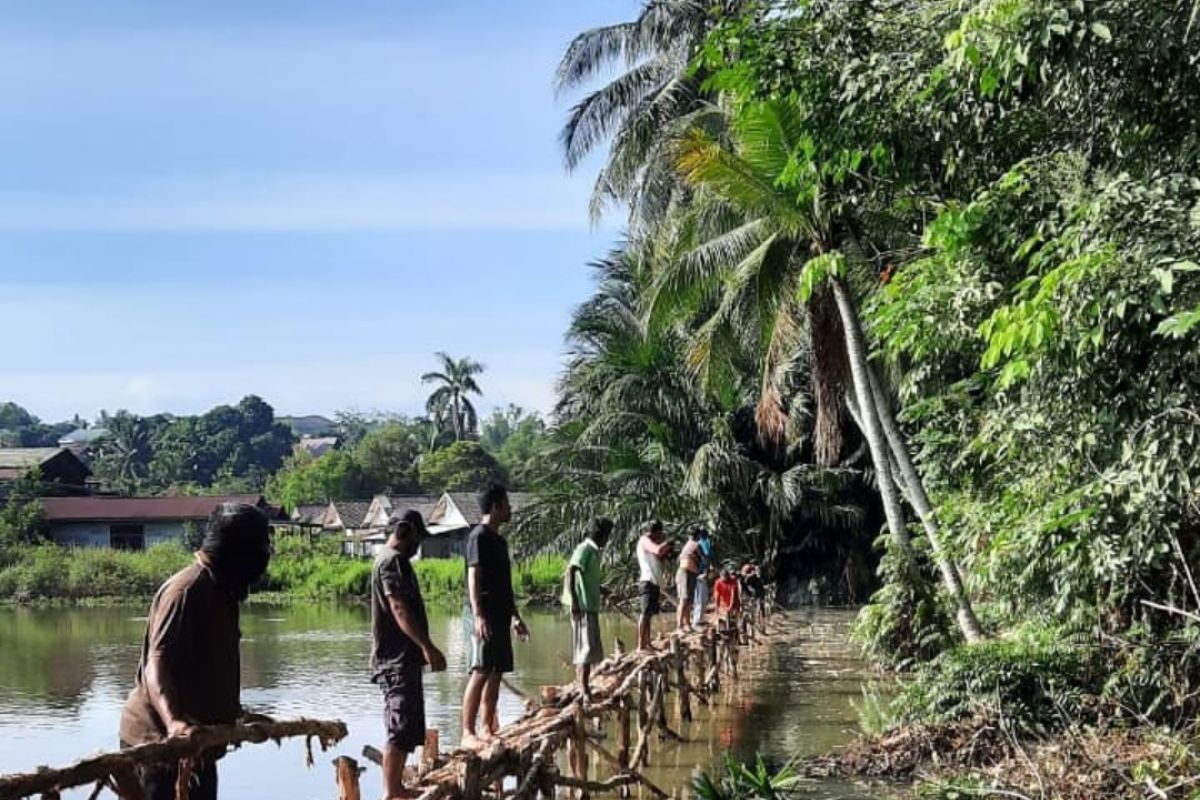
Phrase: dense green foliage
{"type": "Point", "coordinates": [19, 428]}
{"type": "Point", "coordinates": [463, 466]}
{"type": "Point", "coordinates": [1003, 197]}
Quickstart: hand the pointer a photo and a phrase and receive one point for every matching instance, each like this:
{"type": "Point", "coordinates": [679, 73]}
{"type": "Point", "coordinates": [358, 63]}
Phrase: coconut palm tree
{"type": "Point", "coordinates": [638, 109]}
{"type": "Point", "coordinates": [779, 265]}
{"type": "Point", "coordinates": [450, 403]}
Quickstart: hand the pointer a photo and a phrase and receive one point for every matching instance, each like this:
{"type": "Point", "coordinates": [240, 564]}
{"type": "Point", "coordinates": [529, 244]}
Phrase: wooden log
{"type": "Point", "coordinates": [429, 753]}
{"type": "Point", "coordinates": [347, 778]}
{"type": "Point", "coordinates": [471, 782]}
{"type": "Point", "coordinates": [615, 782]}
{"type": "Point", "coordinates": [712, 665]}
{"type": "Point", "coordinates": [372, 754]}
{"type": "Point", "coordinates": [611, 759]}
{"type": "Point", "coordinates": [203, 738]}
{"type": "Point", "coordinates": [682, 697]}
{"type": "Point", "coordinates": [623, 733]}
{"type": "Point", "coordinates": [531, 782]}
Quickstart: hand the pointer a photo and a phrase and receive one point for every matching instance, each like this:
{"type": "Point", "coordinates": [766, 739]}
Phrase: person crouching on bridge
{"type": "Point", "coordinates": [728, 592]}
{"type": "Point", "coordinates": [581, 595]}
{"type": "Point", "coordinates": [190, 668]}
{"type": "Point", "coordinates": [492, 609]}
{"type": "Point", "coordinates": [400, 646]}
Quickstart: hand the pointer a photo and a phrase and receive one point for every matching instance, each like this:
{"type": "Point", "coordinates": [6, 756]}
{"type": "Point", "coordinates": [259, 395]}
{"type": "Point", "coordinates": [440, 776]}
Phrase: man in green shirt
{"type": "Point", "coordinates": [581, 595]}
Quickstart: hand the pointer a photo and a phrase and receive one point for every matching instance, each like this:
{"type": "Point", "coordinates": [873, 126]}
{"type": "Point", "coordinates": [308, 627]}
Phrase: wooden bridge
{"type": "Point", "coordinates": [630, 689]}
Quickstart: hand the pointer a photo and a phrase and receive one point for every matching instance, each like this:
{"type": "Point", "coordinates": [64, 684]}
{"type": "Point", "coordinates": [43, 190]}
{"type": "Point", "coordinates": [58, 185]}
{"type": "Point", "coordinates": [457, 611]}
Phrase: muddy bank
{"type": "Point", "coordinates": [983, 757]}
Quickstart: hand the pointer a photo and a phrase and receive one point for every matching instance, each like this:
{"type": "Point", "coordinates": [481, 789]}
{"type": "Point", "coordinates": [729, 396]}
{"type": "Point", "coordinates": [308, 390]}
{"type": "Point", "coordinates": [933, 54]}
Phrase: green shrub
{"type": "Point", "coordinates": [1033, 680]}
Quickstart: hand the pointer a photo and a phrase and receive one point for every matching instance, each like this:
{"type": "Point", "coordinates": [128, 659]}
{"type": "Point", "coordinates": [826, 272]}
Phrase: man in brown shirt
{"type": "Point", "coordinates": [190, 669]}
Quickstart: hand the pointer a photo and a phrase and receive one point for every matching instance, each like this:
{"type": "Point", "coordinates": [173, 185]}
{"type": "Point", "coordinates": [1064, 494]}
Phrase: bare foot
{"type": "Point", "coordinates": [470, 742]}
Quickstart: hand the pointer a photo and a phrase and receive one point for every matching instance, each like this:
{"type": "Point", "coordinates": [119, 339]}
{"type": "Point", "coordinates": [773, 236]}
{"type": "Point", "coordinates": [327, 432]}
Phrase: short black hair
{"type": "Point", "coordinates": [698, 533]}
{"type": "Point", "coordinates": [601, 528]}
{"type": "Point", "coordinates": [656, 526]}
{"type": "Point", "coordinates": [490, 497]}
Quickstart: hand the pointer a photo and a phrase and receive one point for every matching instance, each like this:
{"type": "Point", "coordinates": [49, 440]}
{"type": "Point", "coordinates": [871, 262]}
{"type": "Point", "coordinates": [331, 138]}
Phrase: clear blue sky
{"type": "Point", "coordinates": [295, 198]}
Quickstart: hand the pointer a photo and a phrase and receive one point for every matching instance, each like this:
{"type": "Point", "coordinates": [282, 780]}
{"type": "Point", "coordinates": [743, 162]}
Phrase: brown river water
{"type": "Point", "coordinates": [64, 674]}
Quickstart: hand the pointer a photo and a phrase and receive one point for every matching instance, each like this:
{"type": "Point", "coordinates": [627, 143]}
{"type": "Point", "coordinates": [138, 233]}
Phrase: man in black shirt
{"type": "Point", "coordinates": [493, 611]}
{"type": "Point", "coordinates": [400, 646]}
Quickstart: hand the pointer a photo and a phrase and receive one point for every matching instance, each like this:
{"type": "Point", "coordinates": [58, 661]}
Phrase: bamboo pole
{"type": "Point", "coordinates": [682, 693]}
{"type": "Point", "coordinates": [347, 778]}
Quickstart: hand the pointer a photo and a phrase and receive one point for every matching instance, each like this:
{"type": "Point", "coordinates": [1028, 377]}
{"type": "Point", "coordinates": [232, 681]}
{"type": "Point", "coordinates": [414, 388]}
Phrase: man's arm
{"type": "Point", "coordinates": [573, 572]}
{"type": "Point", "coordinates": [474, 596]}
{"type": "Point", "coordinates": [408, 624]}
{"type": "Point", "coordinates": [164, 695]}
{"type": "Point", "coordinates": [658, 549]}
{"type": "Point", "coordinates": [169, 644]}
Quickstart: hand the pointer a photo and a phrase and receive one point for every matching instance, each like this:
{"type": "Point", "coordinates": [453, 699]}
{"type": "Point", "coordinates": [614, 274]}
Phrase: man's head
{"type": "Point", "coordinates": [704, 534]}
{"type": "Point", "coordinates": [405, 532]}
{"type": "Point", "coordinates": [600, 531]}
{"type": "Point", "coordinates": [237, 545]}
{"type": "Point", "coordinates": [493, 502]}
{"type": "Point", "coordinates": [698, 534]}
{"type": "Point", "coordinates": [726, 573]}
{"type": "Point", "coordinates": [655, 530]}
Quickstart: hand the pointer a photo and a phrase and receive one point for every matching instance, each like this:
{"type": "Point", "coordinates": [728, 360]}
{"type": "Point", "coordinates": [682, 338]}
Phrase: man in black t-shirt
{"type": "Point", "coordinates": [492, 609]}
{"type": "Point", "coordinates": [400, 646]}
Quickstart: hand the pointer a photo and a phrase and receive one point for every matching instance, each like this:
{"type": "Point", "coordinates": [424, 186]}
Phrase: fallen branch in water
{"type": "Point", "coordinates": [203, 738]}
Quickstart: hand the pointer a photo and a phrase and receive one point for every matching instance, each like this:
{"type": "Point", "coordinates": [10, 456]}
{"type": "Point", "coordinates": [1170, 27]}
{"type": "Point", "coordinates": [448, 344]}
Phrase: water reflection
{"type": "Point", "coordinates": [64, 674]}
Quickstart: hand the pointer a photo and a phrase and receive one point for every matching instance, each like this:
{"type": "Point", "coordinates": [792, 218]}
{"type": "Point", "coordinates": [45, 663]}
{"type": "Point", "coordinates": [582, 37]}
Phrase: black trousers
{"type": "Point", "coordinates": [158, 781]}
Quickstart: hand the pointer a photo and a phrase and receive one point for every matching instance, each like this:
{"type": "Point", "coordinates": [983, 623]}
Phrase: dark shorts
{"type": "Point", "coordinates": [403, 709]}
{"type": "Point", "coordinates": [495, 653]}
{"type": "Point", "coordinates": [651, 596]}
{"type": "Point", "coordinates": [158, 780]}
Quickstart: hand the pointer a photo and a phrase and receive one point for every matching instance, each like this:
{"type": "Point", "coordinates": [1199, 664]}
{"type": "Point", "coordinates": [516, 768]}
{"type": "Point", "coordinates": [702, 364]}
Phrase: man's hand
{"type": "Point", "coordinates": [520, 630]}
{"type": "Point", "coordinates": [435, 659]}
{"type": "Point", "coordinates": [482, 629]}
{"type": "Point", "coordinates": [180, 728]}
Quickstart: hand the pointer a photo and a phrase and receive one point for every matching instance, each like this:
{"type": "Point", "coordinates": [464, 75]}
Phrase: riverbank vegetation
{"type": "Point", "coordinates": [948, 253]}
{"type": "Point", "coordinates": [299, 571]}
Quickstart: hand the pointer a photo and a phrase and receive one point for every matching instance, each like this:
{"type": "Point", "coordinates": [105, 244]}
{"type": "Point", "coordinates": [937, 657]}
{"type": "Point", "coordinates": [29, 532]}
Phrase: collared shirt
{"type": "Point", "coordinates": [585, 559]}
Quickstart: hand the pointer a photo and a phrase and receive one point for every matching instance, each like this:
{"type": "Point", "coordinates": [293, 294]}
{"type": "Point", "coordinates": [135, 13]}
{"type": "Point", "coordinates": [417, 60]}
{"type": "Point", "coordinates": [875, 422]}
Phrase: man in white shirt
{"type": "Point", "coordinates": [652, 549]}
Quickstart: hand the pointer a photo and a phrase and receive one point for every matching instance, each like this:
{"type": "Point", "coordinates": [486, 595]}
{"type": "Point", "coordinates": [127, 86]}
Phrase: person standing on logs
{"type": "Point", "coordinates": [581, 595]}
{"type": "Point", "coordinates": [400, 646]}
{"type": "Point", "coordinates": [728, 593]}
{"type": "Point", "coordinates": [492, 612]}
{"type": "Point", "coordinates": [708, 569]}
{"type": "Point", "coordinates": [685, 580]}
{"type": "Point", "coordinates": [190, 668]}
{"type": "Point", "coordinates": [652, 549]}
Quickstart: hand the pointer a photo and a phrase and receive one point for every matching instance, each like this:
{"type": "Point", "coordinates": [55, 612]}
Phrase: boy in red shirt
{"type": "Point", "coordinates": [729, 595]}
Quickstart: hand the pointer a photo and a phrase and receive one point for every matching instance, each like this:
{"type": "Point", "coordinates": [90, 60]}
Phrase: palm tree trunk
{"type": "Point", "coordinates": [856, 352]}
{"type": "Point", "coordinates": [914, 487]}
{"type": "Point", "coordinates": [455, 417]}
{"type": "Point", "coordinates": [870, 407]}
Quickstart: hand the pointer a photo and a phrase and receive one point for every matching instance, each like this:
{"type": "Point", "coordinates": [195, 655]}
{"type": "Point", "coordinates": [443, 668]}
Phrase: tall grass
{"type": "Point", "coordinates": [299, 570]}
{"type": "Point", "coordinates": [51, 572]}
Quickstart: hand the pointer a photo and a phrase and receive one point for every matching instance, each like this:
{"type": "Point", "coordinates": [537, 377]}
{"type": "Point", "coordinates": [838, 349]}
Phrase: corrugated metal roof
{"type": "Point", "coordinates": [26, 457]}
{"type": "Point", "coordinates": [107, 509]}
